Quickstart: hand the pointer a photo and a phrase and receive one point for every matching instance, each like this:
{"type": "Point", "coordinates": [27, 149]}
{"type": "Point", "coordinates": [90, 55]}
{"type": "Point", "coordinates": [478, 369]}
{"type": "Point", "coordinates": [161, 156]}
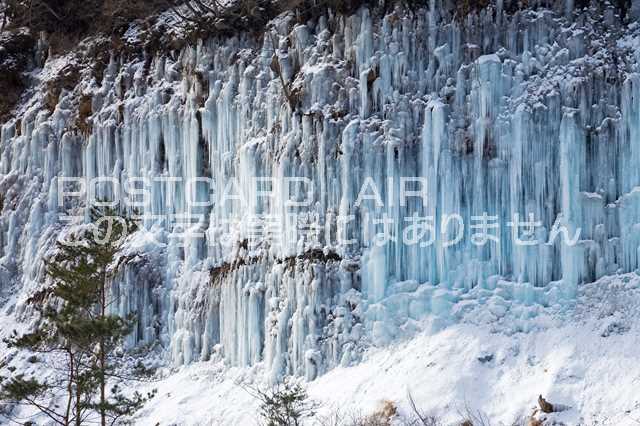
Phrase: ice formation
{"type": "Point", "coordinates": [504, 113]}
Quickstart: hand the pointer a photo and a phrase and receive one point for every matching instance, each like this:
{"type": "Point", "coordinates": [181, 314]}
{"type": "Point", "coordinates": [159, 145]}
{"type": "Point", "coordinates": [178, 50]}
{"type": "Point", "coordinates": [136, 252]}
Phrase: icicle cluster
{"type": "Point", "coordinates": [498, 113]}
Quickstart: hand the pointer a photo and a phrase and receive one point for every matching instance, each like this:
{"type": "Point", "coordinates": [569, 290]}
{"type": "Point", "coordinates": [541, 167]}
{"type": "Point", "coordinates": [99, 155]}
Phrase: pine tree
{"type": "Point", "coordinates": [77, 324]}
{"type": "Point", "coordinates": [61, 335]}
{"type": "Point", "coordinates": [285, 404]}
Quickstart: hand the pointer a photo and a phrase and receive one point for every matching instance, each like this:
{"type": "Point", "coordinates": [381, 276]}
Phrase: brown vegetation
{"type": "Point", "coordinates": [465, 7]}
{"type": "Point", "coordinates": [381, 417]}
{"type": "Point", "coordinates": [78, 17]}
{"type": "Point", "coordinates": [84, 112]}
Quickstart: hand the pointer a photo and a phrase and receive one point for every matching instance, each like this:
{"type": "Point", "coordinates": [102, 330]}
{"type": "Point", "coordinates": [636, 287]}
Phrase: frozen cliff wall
{"type": "Point", "coordinates": [365, 171]}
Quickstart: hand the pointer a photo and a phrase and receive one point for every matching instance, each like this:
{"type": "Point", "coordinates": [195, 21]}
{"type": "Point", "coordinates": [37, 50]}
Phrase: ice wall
{"type": "Point", "coordinates": [496, 116]}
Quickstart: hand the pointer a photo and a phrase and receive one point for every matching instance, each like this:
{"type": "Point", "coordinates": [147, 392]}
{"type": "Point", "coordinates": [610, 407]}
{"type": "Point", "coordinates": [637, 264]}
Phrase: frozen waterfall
{"type": "Point", "coordinates": [505, 147]}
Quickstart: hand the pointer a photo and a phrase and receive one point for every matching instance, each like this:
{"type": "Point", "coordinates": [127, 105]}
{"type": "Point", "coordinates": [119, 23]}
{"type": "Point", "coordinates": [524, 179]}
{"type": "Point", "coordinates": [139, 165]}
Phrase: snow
{"type": "Point", "coordinates": [449, 371]}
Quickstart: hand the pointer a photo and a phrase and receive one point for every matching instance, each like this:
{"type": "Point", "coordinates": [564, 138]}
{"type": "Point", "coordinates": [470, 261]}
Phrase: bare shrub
{"type": "Point", "coordinates": [473, 417]}
{"type": "Point", "coordinates": [419, 417]}
{"type": "Point", "coordinates": [78, 16]}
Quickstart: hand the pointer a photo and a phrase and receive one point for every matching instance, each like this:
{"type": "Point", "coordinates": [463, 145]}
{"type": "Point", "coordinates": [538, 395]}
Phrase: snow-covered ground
{"type": "Point", "coordinates": [587, 362]}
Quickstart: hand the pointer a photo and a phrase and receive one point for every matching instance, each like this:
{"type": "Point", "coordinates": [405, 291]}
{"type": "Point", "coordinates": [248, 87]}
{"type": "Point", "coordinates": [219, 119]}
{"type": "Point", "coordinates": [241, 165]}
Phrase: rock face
{"type": "Point", "coordinates": [17, 50]}
{"type": "Point", "coordinates": [417, 125]}
{"type": "Point", "coordinates": [545, 406]}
